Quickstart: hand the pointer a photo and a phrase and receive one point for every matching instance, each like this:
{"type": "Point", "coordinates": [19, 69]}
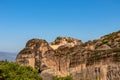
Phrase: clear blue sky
{"type": "Point", "coordinates": [21, 20]}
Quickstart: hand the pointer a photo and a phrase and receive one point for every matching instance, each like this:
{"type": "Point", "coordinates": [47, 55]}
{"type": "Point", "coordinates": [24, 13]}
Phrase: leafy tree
{"type": "Point", "coordinates": [13, 71]}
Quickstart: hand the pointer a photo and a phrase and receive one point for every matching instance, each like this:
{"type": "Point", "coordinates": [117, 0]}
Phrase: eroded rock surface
{"type": "Point", "coordinates": [93, 60]}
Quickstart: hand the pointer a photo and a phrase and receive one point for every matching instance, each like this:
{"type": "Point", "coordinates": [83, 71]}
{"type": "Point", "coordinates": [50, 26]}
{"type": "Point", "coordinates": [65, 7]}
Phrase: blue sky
{"type": "Point", "coordinates": [21, 20]}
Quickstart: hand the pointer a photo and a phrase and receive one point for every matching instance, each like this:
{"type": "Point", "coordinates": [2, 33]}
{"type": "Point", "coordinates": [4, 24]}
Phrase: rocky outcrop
{"type": "Point", "coordinates": [65, 41]}
{"type": "Point", "coordinates": [93, 60]}
{"type": "Point", "coordinates": [40, 55]}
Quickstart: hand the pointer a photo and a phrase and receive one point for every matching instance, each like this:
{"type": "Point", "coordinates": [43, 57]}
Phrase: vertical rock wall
{"type": "Point", "coordinates": [83, 63]}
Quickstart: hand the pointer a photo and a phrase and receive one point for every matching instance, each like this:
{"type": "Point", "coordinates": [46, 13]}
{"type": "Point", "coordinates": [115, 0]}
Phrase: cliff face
{"type": "Point", "coordinates": [97, 59]}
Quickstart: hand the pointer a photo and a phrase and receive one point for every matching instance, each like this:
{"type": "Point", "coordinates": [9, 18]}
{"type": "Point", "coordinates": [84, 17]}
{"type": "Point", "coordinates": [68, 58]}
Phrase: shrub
{"type": "Point", "coordinates": [13, 71]}
{"type": "Point", "coordinates": [69, 77]}
{"type": "Point", "coordinates": [69, 41]}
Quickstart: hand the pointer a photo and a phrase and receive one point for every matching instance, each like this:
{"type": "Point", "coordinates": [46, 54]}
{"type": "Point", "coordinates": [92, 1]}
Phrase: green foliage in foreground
{"type": "Point", "coordinates": [13, 71]}
{"type": "Point", "coordinates": [64, 78]}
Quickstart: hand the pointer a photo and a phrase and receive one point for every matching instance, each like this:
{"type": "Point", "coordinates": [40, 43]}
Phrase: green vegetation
{"type": "Point", "coordinates": [105, 41]}
{"type": "Point", "coordinates": [112, 35]}
{"type": "Point", "coordinates": [57, 41]}
{"type": "Point", "coordinates": [69, 40]}
{"type": "Point", "coordinates": [69, 77]}
{"type": "Point", "coordinates": [13, 71]}
{"type": "Point", "coordinates": [59, 38]}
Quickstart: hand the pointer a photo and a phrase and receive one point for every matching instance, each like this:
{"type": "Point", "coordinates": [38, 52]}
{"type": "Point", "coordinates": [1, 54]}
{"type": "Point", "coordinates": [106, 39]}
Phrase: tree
{"type": "Point", "coordinates": [13, 71]}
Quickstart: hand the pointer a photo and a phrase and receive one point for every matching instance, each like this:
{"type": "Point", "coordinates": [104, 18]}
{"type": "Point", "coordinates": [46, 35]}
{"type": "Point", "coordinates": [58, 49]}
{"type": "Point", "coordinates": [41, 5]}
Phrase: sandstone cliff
{"type": "Point", "coordinates": [97, 59]}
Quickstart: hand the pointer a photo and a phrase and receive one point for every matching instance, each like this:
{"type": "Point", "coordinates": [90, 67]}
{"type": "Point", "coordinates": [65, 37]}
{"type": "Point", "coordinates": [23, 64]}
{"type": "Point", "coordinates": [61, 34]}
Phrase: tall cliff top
{"type": "Point", "coordinates": [66, 41]}
{"type": "Point", "coordinates": [35, 41]}
{"type": "Point", "coordinates": [108, 41]}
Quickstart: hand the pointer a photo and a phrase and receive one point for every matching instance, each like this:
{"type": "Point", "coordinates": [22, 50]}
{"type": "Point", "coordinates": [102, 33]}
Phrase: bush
{"type": "Point", "coordinates": [69, 41]}
{"type": "Point", "coordinates": [13, 71]}
{"type": "Point", "coordinates": [69, 77]}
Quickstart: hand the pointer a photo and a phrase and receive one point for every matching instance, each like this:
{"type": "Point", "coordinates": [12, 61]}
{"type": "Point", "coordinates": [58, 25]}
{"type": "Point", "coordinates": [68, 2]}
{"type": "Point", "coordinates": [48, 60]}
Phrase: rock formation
{"type": "Point", "coordinates": [93, 60]}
